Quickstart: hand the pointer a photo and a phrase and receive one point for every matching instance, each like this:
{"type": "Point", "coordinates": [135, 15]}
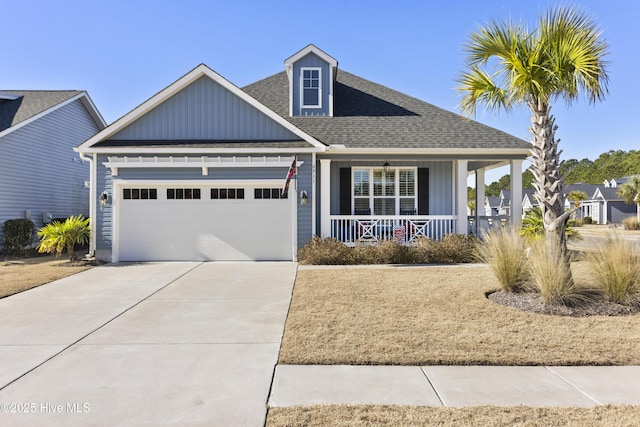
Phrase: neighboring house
{"type": "Point", "coordinates": [505, 202]}
{"type": "Point", "coordinates": [196, 171]}
{"type": "Point", "coordinates": [588, 189]}
{"type": "Point", "coordinates": [492, 206]}
{"type": "Point", "coordinates": [528, 200]}
{"type": "Point", "coordinates": [605, 206]}
{"type": "Point", "coordinates": [41, 177]}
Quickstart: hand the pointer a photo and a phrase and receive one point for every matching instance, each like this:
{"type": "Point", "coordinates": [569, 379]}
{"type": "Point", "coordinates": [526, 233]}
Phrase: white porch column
{"type": "Point", "coordinates": [479, 193]}
{"type": "Point", "coordinates": [516, 193]}
{"type": "Point", "coordinates": [325, 197]}
{"type": "Point", "coordinates": [461, 196]}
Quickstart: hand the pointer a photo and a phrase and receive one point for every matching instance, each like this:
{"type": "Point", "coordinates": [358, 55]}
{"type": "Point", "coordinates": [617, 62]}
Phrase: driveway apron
{"type": "Point", "coordinates": [145, 344]}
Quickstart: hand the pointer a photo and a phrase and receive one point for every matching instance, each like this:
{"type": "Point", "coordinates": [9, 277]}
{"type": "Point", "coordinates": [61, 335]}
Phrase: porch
{"type": "Point", "coordinates": [371, 200]}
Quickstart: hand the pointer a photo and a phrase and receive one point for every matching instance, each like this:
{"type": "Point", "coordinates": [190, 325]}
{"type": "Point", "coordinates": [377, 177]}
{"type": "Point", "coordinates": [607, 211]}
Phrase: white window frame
{"type": "Point", "coordinates": [396, 184]}
{"type": "Point", "coordinates": [302, 70]}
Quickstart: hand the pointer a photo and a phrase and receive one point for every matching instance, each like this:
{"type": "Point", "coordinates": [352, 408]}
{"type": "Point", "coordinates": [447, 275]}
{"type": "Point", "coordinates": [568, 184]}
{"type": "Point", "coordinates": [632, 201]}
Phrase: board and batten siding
{"type": "Point", "coordinates": [205, 110]}
{"type": "Point", "coordinates": [175, 175]}
{"type": "Point", "coordinates": [40, 172]}
{"type": "Point", "coordinates": [311, 60]}
{"type": "Point", "coordinates": [440, 182]}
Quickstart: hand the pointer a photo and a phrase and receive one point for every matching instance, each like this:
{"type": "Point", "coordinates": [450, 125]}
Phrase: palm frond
{"type": "Point", "coordinates": [479, 88]}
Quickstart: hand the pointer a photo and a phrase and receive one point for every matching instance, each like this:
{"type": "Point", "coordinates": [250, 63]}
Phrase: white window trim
{"type": "Point", "coordinates": [396, 196]}
{"type": "Point", "coordinates": [302, 70]}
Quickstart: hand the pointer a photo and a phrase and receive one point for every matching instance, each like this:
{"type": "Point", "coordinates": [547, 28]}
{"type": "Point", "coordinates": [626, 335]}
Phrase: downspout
{"type": "Point", "coordinates": [92, 202]}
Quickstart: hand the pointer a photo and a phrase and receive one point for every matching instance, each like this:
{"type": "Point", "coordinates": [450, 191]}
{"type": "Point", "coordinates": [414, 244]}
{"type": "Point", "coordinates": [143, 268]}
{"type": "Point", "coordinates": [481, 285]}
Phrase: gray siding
{"type": "Point", "coordinates": [311, 60]}
{"type": "Point", "coordinates": [618, 211]}
{"type": "Point", "coordinates": [440, 183]}
{"type": "Point", "coordinates": [104, 213]}
{"type": "Point", "coordinates": [40, 172]}
{"type": "Point", "coordinates": [205, 111]}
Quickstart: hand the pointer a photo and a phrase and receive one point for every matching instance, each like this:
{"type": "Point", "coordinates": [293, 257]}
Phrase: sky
{"type": "Point", "coordinates": [123, 52]}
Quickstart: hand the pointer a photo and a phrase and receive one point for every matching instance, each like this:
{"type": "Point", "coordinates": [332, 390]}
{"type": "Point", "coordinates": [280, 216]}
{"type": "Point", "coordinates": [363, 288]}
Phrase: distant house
{"type": "Point", "coordinates": [492, 206]}
{"type": "Point", "coordinates": [205, 161]}
{"type": "Point", "coordinates": [528, 200]}
{"type": "Point", "coordinates": [605, 206]}
{"type": "Point", "coordinates": [588, 189]}
{"type": "Point", "coordinates": [41, 177]}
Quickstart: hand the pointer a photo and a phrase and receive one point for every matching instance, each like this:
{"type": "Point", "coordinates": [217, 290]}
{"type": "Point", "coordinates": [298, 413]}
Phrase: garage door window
{"type": "Point", "coordinates": [227, 193]}
{"type": "Point", "coordinates": [183, 193]}
{"type": "Point", "coordinates": [269, 193]}
{"type": "Point", "coordinates": [139, 193]}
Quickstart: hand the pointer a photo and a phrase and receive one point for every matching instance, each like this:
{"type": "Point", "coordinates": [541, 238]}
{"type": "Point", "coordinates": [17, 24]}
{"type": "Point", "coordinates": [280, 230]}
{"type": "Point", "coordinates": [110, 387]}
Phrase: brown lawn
{"type": "Point", "coordinates": [438, 315]}
{"type": "Point", "coordinates": [490, 416]}
{"type": "Point", "coordinates": [22, 274]}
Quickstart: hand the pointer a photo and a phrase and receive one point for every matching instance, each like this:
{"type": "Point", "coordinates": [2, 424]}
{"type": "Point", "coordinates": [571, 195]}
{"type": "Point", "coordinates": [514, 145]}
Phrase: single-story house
{"type": "Point", "coordinates": [196, 172]}
{"type": "Point", "coordinates": [41, 177]}
{"type": "Point", "coordinates": [605, 206]}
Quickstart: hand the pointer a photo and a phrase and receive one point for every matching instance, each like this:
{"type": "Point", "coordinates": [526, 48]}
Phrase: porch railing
{"type": "Point", "coordinates": [351, 229]}
{"type": "Point", "coordinates": [484, 224]}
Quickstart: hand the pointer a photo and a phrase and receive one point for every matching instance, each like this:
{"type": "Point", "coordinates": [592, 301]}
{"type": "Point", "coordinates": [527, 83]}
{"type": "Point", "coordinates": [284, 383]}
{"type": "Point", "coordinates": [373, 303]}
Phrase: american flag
{"type": "Point", "coordinates": [290, 174]}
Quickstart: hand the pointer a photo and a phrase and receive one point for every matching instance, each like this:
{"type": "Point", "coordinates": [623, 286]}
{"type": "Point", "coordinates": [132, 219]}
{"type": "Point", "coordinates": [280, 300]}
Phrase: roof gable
{"type": "Point", "coordinates": [20, 107]}
{"type": "Point", "coordinates": [196, 91]}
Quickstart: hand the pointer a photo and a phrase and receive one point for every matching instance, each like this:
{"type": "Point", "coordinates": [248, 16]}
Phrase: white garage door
{"type": "Point", "coordinates": [194, 222]}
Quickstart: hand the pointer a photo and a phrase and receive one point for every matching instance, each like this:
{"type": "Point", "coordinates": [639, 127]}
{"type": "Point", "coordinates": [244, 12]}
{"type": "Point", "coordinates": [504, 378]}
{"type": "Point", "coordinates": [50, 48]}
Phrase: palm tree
{"type": "Point", "coordinates": [630, 192]}
{"type": "Point", "coordinates": [575, 197]}
{"type": "Point", "coordinates": [509, 65]}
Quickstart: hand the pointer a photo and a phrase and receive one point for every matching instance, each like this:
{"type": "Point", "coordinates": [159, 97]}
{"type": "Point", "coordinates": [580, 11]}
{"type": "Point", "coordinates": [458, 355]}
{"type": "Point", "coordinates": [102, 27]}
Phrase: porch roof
{"type": "Point", "coordinates": [369, 115]}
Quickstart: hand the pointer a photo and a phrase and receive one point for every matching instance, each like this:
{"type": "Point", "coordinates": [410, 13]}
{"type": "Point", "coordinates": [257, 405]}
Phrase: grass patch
{"type": "Point", "coordinates": [490, 416]}
{"type": "Point", "coordinates": [438, 315]}
{"type": "Point", "coordinates": [22, 274]}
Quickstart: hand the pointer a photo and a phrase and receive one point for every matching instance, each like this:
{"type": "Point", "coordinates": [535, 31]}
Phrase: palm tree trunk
{"type": "Point", "coordinates": [548, 183]}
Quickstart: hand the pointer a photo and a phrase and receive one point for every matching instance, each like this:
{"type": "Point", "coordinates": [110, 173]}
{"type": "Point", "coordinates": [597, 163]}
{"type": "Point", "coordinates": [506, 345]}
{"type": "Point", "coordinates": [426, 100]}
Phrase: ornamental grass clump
{"type": "Point", "coordinates": [553, 279]}
{"type": "Point", "coordinates": [504, 251]}
{"type": "Point", "coordinates": [616, 268]}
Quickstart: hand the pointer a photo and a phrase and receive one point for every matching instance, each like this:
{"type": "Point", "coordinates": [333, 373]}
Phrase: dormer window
{"type": "Point", "coordinates": [311, 91]}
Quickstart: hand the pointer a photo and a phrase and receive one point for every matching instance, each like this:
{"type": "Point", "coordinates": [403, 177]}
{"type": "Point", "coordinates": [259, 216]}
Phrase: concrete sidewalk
{"type": "Point", "coordinates": [458, 386]}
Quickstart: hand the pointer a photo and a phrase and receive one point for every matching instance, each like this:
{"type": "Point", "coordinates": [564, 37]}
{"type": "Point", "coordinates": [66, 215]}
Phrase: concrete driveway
{"type": "Point", "coordinates": [145, 344]}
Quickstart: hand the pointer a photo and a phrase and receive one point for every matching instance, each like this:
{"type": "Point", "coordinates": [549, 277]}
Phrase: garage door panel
{"type": "Point", "coordinates": [248, 229]}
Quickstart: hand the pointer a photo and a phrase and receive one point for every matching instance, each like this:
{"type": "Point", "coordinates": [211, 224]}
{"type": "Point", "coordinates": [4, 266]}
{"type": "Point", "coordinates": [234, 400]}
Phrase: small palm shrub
{"type": "Point", "coordinates": [533, 227]}
{"type": "Point", "coordinates": [553, 279]}
{"type": "Point", "coordinates": [631, 223]}
{"type": "Point", "coordinates": [18, 235]}
{"type": "Point", "coordinates": [616, 268]}
{"type": "Point", "coordinates": [58, 237]}
{"type": "Point", "coordinates": [504, 251]}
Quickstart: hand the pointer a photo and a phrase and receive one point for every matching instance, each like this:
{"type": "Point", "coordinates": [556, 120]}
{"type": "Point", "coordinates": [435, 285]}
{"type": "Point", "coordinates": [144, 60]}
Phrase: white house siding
{"type": "Point", "coordinates": [40, 172]}
{"type": "Point", "coordinates": [105, 183]}
{"type": "Point", "coordinates": [205, 110]}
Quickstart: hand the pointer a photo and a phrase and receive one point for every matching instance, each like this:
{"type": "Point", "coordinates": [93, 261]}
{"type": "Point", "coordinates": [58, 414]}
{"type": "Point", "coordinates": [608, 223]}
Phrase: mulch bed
{"type": "Point", "coordinates": [528, 301]}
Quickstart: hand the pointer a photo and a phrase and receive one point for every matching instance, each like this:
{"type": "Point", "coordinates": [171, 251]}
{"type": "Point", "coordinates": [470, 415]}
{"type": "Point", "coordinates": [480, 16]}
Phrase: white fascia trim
{"type": "Point", "coordinates": [311, 49]}
{"type": "Point", "coordinates": [190, 150]}
{"type": "Point", "coordinates": [118, 183]}
{"type": "Point", "coordinates": [82, 96]}
{"type": "Point", "coordinates": [193, 75]}
{"type": "Point", "coordinates": [438, 151]}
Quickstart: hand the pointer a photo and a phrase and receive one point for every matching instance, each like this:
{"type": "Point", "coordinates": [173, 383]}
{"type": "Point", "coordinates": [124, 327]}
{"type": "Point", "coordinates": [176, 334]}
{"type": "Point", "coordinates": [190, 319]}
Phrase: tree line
{"type": "Point", "coordinates": [612, 164]}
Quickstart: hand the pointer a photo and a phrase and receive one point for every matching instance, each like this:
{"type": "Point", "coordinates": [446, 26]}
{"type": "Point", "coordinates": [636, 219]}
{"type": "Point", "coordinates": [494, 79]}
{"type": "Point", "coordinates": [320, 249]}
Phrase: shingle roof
{"type": "Point", "coordinates": [369, 115]}
{"type": "Point", "coordinates": [610, 193]}
{"type": "Point", "coordinates": [588, 189]}
{"type": "Point", "coordinates": [31, 103]}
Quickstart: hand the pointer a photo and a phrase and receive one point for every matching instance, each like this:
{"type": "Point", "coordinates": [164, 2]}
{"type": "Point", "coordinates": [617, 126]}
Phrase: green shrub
{"type": "Point", "coordinates": [533, 226]}
{"type": "Point", "coordinates": [18, 236]}
{"type": "Point", "coordinates": [319, 251]}
{"type": "Point", "coordinates": [574, 223]}
{"type": "Point", "coordinates": [60, 236]}
{"type": "Point", "coordinates": [631, 223]}
{"type": "Point", "coordinates": [587, 220]}
{"type": "Point", "coordinates": [553, 280]}
{"type": "Point", "coordinates": [504, 251]}
{"type": "Point", "coordinates": [616, 268]}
